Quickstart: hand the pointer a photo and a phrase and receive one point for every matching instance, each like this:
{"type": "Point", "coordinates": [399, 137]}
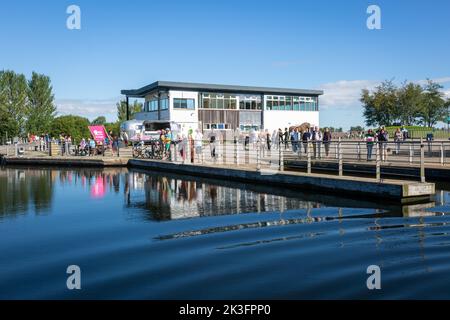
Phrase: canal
{"type": "Point", "coordinates": [141, 235]}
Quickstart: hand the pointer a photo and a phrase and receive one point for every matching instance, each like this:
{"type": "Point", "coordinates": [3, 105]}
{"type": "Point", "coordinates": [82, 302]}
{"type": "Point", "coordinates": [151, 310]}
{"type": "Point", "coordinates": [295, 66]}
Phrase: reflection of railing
{"type": "Point", "coordinates": [267, 157]}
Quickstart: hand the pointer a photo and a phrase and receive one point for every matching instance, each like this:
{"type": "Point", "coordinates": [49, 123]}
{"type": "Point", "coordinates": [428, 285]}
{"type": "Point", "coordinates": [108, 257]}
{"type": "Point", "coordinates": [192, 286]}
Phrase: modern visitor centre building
{"type": "Point", "coordinates": [226, 107]}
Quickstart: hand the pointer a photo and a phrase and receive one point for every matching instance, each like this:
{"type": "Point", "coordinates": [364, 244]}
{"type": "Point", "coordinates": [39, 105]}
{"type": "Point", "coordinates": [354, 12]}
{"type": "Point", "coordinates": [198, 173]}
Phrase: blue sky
{"type": "Point", "coordinates": [320, 44]}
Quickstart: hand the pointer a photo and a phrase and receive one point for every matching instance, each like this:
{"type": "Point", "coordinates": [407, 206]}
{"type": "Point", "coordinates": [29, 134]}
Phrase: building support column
{"type": "Point", "coordinates": [128, 108]}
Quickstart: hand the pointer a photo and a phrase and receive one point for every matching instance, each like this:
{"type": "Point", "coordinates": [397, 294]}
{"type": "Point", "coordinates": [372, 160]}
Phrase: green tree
{"type": "Point", "coordinates": [434, 108]}
{"type": "Point", "coordinates": [99, 121]}
{"type": "Point", "coordinates": [381, 106]}
{"type": "Point", "coordinates": [74, 126]}
{"type": "Point", "coordinates": [41, 109]}
{"type": "Point", "coordinates": [113, 127]}
{"type": "Point", "coordinates": [410, 102]}
{"type": "Point", "coordinates": [357, 129]}
{"type": "Point", "coordinates": [122, 110]}
{"type": "Point", "coordinates": [13, 103]}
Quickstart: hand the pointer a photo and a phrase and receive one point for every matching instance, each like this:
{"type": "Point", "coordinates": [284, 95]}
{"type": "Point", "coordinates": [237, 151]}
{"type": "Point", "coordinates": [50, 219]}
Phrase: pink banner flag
{"type": "Point", "coordinates": [98, 133]}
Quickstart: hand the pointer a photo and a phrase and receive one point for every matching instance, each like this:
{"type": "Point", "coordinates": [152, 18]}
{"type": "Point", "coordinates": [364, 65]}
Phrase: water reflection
{"type": "Point", "coordinates": [177, 197]}
{"type": "Point", "coordinates": [157, 197]}
{"type": "Point", "coordinates": [23, 190]}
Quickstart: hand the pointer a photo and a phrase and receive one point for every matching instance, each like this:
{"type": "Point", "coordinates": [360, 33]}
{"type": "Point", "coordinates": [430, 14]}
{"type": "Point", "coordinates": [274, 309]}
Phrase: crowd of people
{"type": "Point", "coordinates": [68, 146]}
{"type": "Point", "coordinates": [91, 147]}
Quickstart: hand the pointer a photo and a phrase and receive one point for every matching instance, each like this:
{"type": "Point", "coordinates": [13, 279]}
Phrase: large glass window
{"type": "Point", "coordinates": [184, 103]}
{"type": "Point", "coordinates": [219, 101]}
{"type": "Point", "coordinates": [164, 104]}
{"type": "Point", "coordinates": [250, 102]}
{"type": "Point", "coordinates": [153, 105]}
{"type": "Point", "coordinates": [289, 103]}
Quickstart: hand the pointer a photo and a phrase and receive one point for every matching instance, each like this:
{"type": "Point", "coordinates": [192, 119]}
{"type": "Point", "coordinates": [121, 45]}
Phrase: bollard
{"type": "Point", "coordinates": [341, 161]}
{"type": "Point", "coordinates": [308, 156]}
{"type": "Point", "coordinates": [378, 162]}
{"type": "Point", "coordinates": [422, 161]}
{"type": "Point", "coordinates": [442, 153]}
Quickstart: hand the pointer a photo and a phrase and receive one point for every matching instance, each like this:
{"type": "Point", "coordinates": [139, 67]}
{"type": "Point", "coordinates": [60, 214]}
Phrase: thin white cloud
{"type": "Point", "coordinates": [437, 80]}
{"type": "Point", "coordinates": [344, 94]}
{"type": "Point", "coordinates": [90, 109]}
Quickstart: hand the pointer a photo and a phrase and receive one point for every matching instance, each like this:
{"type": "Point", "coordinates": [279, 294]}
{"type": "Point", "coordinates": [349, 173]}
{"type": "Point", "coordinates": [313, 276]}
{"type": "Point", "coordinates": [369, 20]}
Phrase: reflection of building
{"type": "Point", "coordinates": [172, 198]}
{"type": "Point", "coordinates": [225, 107]}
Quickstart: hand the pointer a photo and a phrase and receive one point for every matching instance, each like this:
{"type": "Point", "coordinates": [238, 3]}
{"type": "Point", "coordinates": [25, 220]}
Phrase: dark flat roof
{"type": "Point", "coordinates": [204, 87]}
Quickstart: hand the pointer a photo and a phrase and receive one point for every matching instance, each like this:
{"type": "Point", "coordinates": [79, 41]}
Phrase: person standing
{"type": "Point", "coordinates": [268, 140]}
{"type": "Point", "coordinates": [212, 143]}
{"type": "Point", "coordinates": [92, 147]}
{"type": "Point", "coordinates": [280, 137]}
{"type": "Point", "coordinates": [317, 138]}
{"type": "Point", "coordinates": [168, 141]}
{"type": "Point", "coordinates": [405, 133]}
{"type": "Point", "coordinates": [115, 146]}
{"type": "Point", "coordinates": [398, 137]}
{"type": "Point", "coordinates": [306, 136]}
{"type": "Point", "coordinates": [383, 139]}
{"type": "Point", "coordinates": [286, 138]}
{"type": "Point", "coordinates": [275, 139]}
{"type": "Point", "coordinates": [370, 138]}
{"type": "Point", "coordinates": [327, 141]}
{"type": "Point", "coordinates": [198, 144]}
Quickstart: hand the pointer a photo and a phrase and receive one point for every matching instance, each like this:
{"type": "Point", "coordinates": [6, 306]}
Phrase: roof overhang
{"type": "Point", "coordinates": [203, 87]}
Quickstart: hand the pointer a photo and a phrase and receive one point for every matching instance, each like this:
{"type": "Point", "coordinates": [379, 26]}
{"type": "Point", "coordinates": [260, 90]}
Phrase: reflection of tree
{"type": "Point", "coordinates": [23, 189]}
{"type": "Point", "coordinates": [20, 188]}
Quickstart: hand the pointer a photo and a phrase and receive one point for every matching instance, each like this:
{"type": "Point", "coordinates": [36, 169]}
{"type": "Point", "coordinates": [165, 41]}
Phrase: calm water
{"type": "Point", "coordinates": [158, 236]}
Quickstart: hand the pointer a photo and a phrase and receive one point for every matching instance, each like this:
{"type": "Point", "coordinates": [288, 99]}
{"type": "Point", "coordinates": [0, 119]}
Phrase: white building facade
{"type": "Point", "coordinates": [225, 107]}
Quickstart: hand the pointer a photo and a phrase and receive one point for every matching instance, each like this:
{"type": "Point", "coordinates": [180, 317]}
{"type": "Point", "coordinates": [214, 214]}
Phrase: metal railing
{"type": "Point", "coordinates": [271, 157]}
{"type": "Point", "coordinates": [61, 149]}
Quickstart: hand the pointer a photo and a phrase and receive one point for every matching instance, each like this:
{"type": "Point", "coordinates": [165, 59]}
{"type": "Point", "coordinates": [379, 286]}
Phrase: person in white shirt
{"type": "Point", "coordinates": [317, 137]}
{"type": "Point", "coordinates": [198, 142]}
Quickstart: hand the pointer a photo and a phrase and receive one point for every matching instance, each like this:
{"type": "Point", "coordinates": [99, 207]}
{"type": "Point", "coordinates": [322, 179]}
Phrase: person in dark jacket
{"type": "Point", "coordinates": [327, 141]}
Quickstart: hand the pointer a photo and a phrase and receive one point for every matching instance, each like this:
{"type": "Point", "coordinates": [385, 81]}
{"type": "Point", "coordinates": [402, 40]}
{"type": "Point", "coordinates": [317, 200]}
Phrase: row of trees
{"type": "Point", "coordinates": [26, 106]}
{"type": "Point", "coordinates": [409, 104]}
